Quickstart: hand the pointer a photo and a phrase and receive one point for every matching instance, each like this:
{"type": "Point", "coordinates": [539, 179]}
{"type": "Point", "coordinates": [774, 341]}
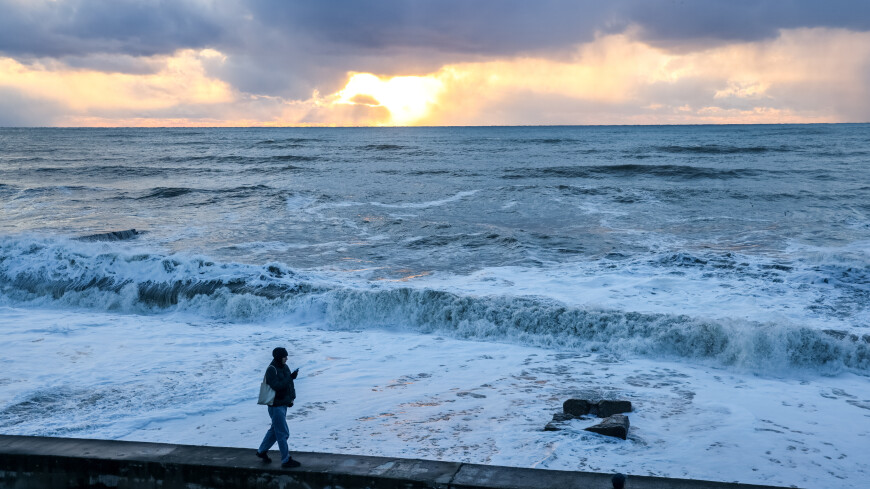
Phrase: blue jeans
{"type": "Point", "coordinates": [278, 432]}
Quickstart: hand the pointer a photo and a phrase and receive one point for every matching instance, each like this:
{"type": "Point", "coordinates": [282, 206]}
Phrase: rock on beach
{"type": "Point", "coordinates": [616, 425]}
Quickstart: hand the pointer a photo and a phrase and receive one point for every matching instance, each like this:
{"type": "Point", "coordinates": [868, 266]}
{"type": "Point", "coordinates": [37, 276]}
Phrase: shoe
{"type": "Point", "coordinates": [265, 457]}
{"type": "Point", "coordinates": [290, 464]}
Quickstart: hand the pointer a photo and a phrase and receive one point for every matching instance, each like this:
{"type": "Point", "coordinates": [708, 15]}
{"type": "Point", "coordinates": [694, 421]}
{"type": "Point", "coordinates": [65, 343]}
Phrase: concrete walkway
{"type": "Point", "coordinates": [38, 462]}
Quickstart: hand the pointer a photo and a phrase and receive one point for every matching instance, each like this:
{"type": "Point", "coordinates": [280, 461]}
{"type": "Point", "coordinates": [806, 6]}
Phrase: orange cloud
{"type": "Point", "coordinates": [181, 79]}
{"type": "Point", "coordinates": [804, 75]}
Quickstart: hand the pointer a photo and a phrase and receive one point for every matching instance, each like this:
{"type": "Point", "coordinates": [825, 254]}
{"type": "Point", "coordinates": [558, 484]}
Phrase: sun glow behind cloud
{"type": "Point", "coordinates": [407, 98]}
{"type": "Point", "coordinates": [803, 75]}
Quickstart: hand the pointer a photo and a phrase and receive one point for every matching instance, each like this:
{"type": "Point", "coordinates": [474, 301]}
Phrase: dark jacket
{"type": "Point", "coordinates": [280, 379]}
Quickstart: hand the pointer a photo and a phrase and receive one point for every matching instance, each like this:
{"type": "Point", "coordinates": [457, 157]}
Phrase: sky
{"type": "Point", "coordinates": [432, 62]}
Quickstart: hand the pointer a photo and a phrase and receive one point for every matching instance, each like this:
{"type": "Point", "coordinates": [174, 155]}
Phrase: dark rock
{"type": "Point", "coordinates": [602, 409]}
{"type": "Point", "coordinates": [558, 419]}
{"type": "Point", "coordinates": [609, 408]}
{"type": "Point", "coordinates": [616, 426]}
{"type": "Point", "coordinates": [576, 407]}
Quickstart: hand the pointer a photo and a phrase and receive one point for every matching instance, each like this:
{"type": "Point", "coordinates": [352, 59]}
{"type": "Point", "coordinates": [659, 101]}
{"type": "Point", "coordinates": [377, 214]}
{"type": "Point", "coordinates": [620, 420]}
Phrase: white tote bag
{"type": "Point", "coordinates": [267, 394]}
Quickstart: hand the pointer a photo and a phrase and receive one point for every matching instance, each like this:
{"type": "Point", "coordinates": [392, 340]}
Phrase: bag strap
{"type": "Point", "coordinates": [267, 371]}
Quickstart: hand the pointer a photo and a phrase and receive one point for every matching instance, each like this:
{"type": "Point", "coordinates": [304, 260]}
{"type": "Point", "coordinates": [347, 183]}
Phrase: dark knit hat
{"type": "Point", "coordinates": [618, 481]}
{"type": "Point", "coordinates": [279, 352]}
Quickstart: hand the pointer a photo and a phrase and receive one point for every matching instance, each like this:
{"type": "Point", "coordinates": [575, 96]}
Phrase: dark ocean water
{"type": "Point", "coordinates": [743, 245]}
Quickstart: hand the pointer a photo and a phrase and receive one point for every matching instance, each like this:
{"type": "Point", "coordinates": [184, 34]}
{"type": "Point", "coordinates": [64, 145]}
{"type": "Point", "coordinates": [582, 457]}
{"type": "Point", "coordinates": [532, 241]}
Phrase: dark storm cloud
{"type": "Point", "coordinates": [503, 27]}
{"type": "Point", "coordinates": [456, 26]}
{"type": "Point", "coordinates": [341, 27]}
{"type": "Point", "coordinates": [673, 23]}
{"type": "Point", "coordinates": [41, 28]}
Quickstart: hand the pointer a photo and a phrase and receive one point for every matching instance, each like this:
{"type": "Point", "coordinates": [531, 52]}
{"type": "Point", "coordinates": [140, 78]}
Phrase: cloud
{"type": "Point", "coordinates": [288, 48]}
{"type": "Point", "coordinates": [56, 28]}
{"type": "Point", "coordinates": [494, 61]}
{"type": "Point", "coordinates": [181, 79]}
{"type": "Point", "coordinates": [492, 27]}
{"type": "Point", "coordinates": [687, 24]}
{"type": "Point", "coordinates": [323, 40]}
{"type": "Point", "coordinates": [804, 75]}
{"type": "Point", "coordinates": [513, 27]}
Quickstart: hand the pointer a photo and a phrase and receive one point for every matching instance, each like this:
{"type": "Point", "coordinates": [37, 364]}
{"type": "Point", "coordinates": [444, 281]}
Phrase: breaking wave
{"type": "Point", "coordinates": [98, 275]}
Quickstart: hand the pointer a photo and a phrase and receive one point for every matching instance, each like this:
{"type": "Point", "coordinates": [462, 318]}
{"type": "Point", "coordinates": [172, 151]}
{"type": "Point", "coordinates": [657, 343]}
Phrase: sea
{"type": "Point", "coordinates": [444, 289]}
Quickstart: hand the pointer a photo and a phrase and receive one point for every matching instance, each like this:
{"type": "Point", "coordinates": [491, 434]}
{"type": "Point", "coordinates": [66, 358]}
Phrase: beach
{"type": "Point", "coordinates": [444, 290]}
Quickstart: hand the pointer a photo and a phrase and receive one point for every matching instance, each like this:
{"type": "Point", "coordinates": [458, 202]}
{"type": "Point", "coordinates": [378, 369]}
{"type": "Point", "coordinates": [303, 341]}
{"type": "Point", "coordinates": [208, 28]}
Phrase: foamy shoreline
{"type": "Point", "coordinates": [182, 379]}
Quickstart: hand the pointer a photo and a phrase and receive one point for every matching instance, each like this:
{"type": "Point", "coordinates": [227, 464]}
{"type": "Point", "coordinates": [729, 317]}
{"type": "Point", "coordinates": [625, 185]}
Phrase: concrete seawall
{"type": "Point", "coordinates": [40, 462]}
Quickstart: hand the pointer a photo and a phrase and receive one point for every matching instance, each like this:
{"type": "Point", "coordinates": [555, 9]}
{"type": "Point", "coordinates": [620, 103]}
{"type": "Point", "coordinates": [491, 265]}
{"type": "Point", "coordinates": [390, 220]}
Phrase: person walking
{"type": "Point", "coordinates": [280, 379]}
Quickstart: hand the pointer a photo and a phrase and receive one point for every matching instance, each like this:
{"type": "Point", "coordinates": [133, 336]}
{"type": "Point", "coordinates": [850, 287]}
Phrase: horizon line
{"type": "Point", "coordinates": [447, 126]}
